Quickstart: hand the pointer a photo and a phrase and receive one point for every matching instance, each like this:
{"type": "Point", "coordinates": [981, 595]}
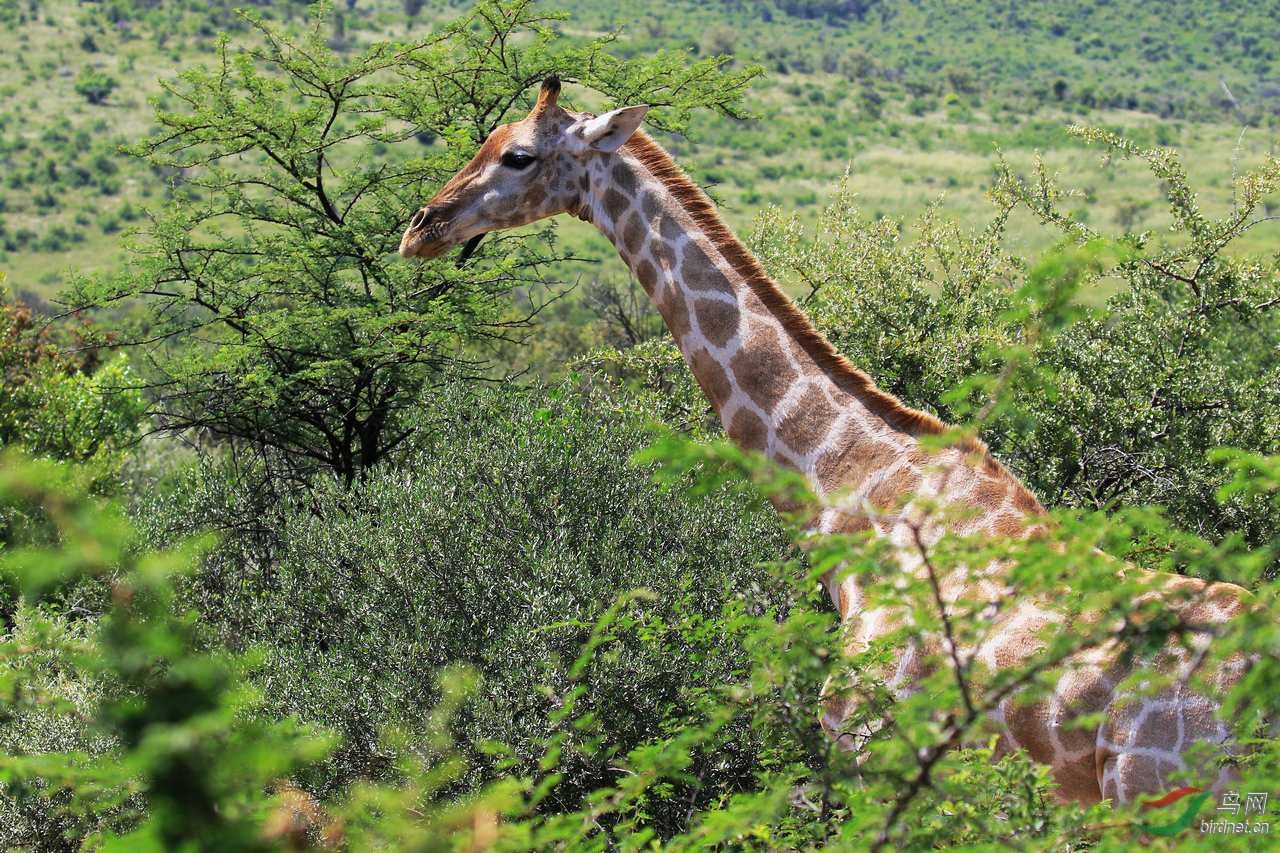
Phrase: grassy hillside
{"type": "Point", "coordinates": [1169, 59]}
{"type": "Point", "coordinates": [915, 100]}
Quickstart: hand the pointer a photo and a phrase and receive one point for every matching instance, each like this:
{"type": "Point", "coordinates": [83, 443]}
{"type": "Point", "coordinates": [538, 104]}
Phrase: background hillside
{"type": "Point", "coordinates": [916, 100]}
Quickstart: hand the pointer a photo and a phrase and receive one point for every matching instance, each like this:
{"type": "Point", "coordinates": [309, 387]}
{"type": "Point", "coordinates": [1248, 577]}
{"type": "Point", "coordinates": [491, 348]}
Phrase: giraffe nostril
{"type": "Point", "coordinates": [420, 218]}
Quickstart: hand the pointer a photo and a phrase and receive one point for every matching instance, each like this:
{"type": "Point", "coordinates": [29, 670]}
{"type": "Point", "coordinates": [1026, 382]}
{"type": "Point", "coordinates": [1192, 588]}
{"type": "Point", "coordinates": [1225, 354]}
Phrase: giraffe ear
{"type": "Point", "coordinates": [609, 131]}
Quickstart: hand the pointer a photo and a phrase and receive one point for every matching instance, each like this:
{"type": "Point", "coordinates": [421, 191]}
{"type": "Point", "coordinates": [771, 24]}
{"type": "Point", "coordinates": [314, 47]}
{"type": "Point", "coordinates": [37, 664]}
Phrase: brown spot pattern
{"type": "Point", "coordinates": [651, 206]}
{"type": "Point", "coordinates": [633, 233]}
{"type": "Point", "coordinates": [718, 320]}
{"type": "Point", "coordinates": [807, 424]}
{"type": "Point", "coordinates": [751, 302]}
{"type": "Point", "coordinates": [668, 228]}
{"type": "Point", "coordinates": [853, 461]}
{"type": "Point", "coordinates": [675, 312]}
{"type": "Point", "coordinates": [990, 493]}
{"type": "Point", "coordinates": [698, 271]}
{"type": "Point", "coordinates": [748, 430]}
{"type": "Point", "coordinates": [1024, 501]}
{"type": "Point", "coordinates": [1029, 723]}
{"type": "Point", "coordinates": [1080, 692]}
{"type": "Point", "coordinates": [624, 179]}
{"type": "Point", "coordinates": [1008, 525]}
{"type": "Point", "coordinates": [616, 204]}
{"type": "Point", "coordinates": [662, 254]}
{"type": "Point", "coordinates": [711, 377]}
{"type": "Point", "coordinates": [762, 370]}
{"type": "Point", "coordinates": [647, 275]}
{"type": "Point", "coordinates": [1161, 729]}
{"type": "Point", "coordinates": [894, 490]}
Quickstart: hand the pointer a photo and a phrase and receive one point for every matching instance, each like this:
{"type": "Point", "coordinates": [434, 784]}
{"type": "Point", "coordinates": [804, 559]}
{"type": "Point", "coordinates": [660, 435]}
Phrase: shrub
{"type": "Point", "coordinates": [176, 758]}
{"type": "Point", "coordinates": [95, 85]}
{"type": "Point", "coordinates": [497, 545]}
{"type": "Point", "coordinates": [59, 405]}
{"type": "Point", "coordinates": [1171, 357]}
{"type": "Point", "coordinates": [724, 751]}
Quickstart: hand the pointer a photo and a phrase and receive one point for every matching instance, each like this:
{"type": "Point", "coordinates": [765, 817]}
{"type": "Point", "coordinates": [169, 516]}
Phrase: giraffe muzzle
{"type": "Point", "coordinates": [425, 236]}
{"type": "Point", "coordinates": [428, 236]}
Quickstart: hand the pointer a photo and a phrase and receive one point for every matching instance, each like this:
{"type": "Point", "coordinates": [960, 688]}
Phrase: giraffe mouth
{"type": "Point", "coordinates": [469, 249]}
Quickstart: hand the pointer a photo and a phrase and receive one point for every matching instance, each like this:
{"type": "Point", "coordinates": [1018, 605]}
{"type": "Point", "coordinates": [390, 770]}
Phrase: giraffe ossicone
{"type": "Point", "coordinates": [781, 389]}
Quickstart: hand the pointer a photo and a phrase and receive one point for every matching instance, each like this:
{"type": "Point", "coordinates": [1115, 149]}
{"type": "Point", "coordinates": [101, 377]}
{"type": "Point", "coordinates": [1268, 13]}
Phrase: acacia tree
{"type": "Point", "coordinates": [276, 315]}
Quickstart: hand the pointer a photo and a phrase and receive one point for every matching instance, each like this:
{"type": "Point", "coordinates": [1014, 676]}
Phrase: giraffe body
{"type": "Point", "coordinates": [781, 389]}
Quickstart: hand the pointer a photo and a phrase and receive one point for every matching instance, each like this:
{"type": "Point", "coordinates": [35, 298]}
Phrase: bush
{"type": "Point", "coordinates": [67, 407]}
{"type": "Point", "coordinates": [95, 85]}
{"type": "Point", "coordinates": [1172, 354]}
{"type": "Point", "coordinates": [171, 753]}
{"type": "Point", "coordinates": [497, 545]}
{"type": "Point", "coordinates": [729, 756]}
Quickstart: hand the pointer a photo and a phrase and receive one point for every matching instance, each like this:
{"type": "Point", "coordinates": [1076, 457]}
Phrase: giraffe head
{"type": "Point", "coordinates": [525, 171]}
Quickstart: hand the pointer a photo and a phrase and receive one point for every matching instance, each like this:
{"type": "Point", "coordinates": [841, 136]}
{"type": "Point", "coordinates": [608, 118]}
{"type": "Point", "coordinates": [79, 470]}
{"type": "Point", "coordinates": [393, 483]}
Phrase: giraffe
{"type": "Point", "coordinates": [781, 389]}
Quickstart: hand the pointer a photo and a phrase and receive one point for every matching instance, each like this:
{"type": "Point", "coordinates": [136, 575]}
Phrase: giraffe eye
{"type": "Point", "coordinates": [517, 160]}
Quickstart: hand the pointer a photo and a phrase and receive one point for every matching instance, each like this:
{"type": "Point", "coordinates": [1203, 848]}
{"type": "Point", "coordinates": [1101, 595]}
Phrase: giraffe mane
{"type": "Point", "coordinates": [794, 321]}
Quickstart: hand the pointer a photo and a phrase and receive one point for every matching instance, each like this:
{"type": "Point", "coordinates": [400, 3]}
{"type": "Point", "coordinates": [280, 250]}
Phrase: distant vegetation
{"type": "Point", "coordinates": [302, 545]}
{"type": "Point", "coordinates": [914, 98]}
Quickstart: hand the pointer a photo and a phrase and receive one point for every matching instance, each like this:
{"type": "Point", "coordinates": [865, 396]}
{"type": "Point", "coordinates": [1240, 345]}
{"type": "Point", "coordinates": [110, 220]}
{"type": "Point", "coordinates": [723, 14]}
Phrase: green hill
{"type": "Point", "coordinates": [914, 99]}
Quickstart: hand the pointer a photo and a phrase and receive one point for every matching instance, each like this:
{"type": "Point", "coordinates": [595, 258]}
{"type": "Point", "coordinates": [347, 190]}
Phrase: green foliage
{"type": "Point", "coordinates": [509, 541]}
{"type": "Point", "coordinates": [187, 765]}
{"type": "Point", "coordinates": [497, 545]}
{"type": "Point", "coordinates": [60, 405]}
{"type": "Point", "coordinates": [1179, 362]}
{"type": "Point", "coordinates": [95, 85]}
{"type": "Point", "coordinates": [503, 634]}
{"type": "Point", "coordinates": [1168, 61]}
{"type": "Point", "coordinates": [907, 58]}
{"type": "Point", "coordinates": [188, 758]}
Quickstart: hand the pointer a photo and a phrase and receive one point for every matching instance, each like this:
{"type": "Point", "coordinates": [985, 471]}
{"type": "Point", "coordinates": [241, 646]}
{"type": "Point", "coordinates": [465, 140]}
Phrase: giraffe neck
{"type": "Point", "coordinates": [775, 382]}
